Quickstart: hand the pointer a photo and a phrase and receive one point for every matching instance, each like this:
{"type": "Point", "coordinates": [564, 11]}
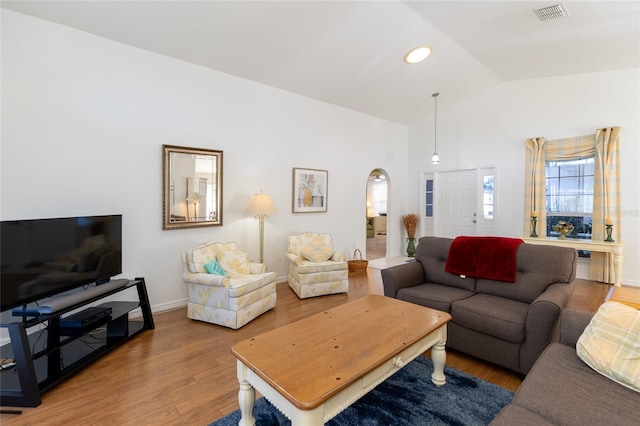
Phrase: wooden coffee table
{"type": "Point", "coordinates": [313, 369]}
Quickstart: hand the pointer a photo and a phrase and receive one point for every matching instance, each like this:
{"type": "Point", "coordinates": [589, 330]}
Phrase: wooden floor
{"type": "Point", "coordinates": [183, 373]}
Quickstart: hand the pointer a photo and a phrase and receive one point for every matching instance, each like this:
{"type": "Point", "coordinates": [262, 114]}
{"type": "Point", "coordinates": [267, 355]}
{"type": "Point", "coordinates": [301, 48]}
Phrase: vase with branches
{"type": "Point", "coordinates": [307, 188]}
{"type": "Point", "coordinates": [410, 222]}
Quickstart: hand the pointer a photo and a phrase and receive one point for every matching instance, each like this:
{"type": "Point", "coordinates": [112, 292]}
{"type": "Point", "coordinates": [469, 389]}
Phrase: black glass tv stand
{"type": "Point", "coordinates": [48, 356]}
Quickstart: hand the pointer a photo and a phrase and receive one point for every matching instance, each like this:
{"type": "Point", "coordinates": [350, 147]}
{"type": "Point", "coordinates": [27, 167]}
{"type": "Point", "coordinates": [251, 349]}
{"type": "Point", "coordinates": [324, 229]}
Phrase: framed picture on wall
{"type": "Point", "coordinates": [310, 190]}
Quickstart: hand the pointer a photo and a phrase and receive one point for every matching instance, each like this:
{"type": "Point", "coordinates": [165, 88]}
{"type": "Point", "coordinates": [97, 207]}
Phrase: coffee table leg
{"type": "Point", "coordinates": [246, 397]}
{"type": "Point", "coordinates": [438, 356]}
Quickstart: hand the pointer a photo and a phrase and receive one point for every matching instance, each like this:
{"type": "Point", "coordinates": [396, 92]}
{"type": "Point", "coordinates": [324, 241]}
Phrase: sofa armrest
{"type": "Point", "coordinates": [401, 276]}
{"type": "Point", "coordinates": [571, 326]}
{"type": "Point", "coordinates": [205, 279]}
{"type": "Point", "coordinates": [294, 258]}
{"type": "Point", "coordinates": [542, 316]}
{"type": "Point", "coordinates": [558, 294]}
{"type": "Point", "coordinates": [338, 257]}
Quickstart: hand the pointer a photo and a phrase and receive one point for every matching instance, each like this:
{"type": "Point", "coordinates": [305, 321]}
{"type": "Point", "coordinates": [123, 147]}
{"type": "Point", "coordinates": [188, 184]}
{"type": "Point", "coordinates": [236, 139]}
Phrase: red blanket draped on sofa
{"type": "Point", "coordinates": [492, 258]}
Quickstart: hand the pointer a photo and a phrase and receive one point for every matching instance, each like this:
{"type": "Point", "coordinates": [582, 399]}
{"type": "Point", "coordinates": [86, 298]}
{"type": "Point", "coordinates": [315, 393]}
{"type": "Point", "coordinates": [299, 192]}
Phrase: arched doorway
{"type": "Point", "coordinates": [377, 194]}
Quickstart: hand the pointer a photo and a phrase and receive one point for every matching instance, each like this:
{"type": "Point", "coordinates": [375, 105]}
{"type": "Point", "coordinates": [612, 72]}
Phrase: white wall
{"type": "Point", "coordinates": [490, 129]}
{"type": "Point", "coordinates": [84, 120]}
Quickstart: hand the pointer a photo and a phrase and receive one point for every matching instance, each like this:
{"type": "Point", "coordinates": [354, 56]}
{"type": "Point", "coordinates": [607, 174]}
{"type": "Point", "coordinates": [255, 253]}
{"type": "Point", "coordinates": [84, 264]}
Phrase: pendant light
{"type": "Point", "coordinates": [435, 158]}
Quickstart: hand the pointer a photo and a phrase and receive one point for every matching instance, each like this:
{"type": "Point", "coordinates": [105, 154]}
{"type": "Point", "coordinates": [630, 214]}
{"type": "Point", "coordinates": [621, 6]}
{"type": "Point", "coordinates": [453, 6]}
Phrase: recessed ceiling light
{"type": "Point", "coordinates": [418, 54]}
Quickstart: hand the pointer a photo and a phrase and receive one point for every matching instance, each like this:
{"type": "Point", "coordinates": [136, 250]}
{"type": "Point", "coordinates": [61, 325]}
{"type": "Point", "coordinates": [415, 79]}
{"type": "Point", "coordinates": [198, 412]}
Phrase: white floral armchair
{"type": "Point", "coordinates": [224, 287]}
{"type": "Point", "coordinates": [315, 269]}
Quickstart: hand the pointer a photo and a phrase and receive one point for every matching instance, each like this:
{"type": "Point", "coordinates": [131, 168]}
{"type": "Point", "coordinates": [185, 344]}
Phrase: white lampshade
{"type": "Point", "coordinates": [435, 159]}
{"type": "Point", "coordinates": [261, 204]}
{"type": "Point", "coordinates": [194, 197]}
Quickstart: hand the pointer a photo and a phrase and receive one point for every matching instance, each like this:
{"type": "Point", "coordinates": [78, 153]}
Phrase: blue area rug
{"type": "Point", "coordinates": [408, 398]}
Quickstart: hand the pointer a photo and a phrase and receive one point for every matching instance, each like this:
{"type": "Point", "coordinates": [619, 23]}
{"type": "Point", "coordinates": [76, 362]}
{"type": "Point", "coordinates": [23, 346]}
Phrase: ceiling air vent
{"type": "Point", "coordinates": [552, 12]}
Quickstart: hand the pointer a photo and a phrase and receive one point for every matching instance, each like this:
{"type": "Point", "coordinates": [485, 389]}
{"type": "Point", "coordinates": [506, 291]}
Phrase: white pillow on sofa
{"type": "Point", "coordinates": [316, 250]}
{"type": "Point", "coordinates": [610, 344]}
{"type": "Point", "coordinates": [235, 263]}
{"type": "Point", "coordinates": [205, 253]}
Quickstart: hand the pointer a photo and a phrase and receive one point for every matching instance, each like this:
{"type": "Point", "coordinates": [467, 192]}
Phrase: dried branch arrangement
{"type": "Point", "coordinates": [410, 222]}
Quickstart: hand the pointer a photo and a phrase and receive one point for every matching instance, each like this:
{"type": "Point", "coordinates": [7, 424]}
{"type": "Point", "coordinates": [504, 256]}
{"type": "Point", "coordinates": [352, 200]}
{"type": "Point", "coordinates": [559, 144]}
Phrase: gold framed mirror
{"type": "Point", "coordinates": [192, 187]}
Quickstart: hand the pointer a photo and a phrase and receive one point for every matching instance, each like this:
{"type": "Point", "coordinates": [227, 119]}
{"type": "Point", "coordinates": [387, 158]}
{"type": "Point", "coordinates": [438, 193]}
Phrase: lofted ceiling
{"type": "Point", "coordinates": [350, 53]}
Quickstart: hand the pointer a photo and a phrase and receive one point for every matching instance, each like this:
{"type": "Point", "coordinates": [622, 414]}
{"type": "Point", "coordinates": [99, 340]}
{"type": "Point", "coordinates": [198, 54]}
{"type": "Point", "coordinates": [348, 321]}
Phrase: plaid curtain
{"type": "Point", "coordinates": [606, 199]}
{"type": "Point", "coordinates": [535, 185]}
{"type": "Point", "coordinates": [604, 146]}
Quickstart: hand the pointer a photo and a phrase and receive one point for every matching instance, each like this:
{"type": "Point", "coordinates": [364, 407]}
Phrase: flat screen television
{"type": "Point", "coordinates": [43, 257]}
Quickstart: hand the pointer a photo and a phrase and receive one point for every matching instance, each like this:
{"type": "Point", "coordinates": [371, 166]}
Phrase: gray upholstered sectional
{"type": "Point", "coordinates": [506, 323]}
{"type": "Point", "coordinates": [560, 389]}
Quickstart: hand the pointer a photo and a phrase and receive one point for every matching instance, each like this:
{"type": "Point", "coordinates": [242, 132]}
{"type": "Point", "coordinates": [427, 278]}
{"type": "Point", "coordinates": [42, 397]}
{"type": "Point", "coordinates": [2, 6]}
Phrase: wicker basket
{"type": "Point", "coordinates": [358, 264]}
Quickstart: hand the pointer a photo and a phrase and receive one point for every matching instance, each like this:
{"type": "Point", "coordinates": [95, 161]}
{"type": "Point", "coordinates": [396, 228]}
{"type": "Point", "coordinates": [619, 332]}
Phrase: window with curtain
{"type": "Point", "coordinates": [569, 195]}
{"type": "Point", "coordinates": [566, 154]}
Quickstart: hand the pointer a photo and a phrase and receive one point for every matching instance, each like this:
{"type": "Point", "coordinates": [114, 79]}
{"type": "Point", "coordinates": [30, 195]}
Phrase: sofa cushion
{"type": "Point", "coordinates": [235, 263]}
{"type": "Point", "coordinates": [610, 344]}
{"type": "Point", "coordinates": [199, 256]}
{"type": "Point", "coordinates": [432, 254]}
{"type": "Point", "coordinates": [213, 267]}
{"type": "Point", "coordinates": [514, 414]}
{"type": "Point", "coordinates": [565, 391]}
{"type": "Point", "coordinates": [316, 250]}
{"type": "Point", "coordinates": [245, 284]}
{"type": "Point", "coordinates": [433, 296]}
{"type": "Point", "coordinates": [204, 253]}
{"type": "Point", "coordinates": [297, 242]}
{"type": "Point", "coordinates": [493, 315]}
{"type": "Point", "coordinates": [537, 268]}
{"type": "Point", "coordinates": [306, 267]}
{"type": "Point", "coordinates": [220, 248]}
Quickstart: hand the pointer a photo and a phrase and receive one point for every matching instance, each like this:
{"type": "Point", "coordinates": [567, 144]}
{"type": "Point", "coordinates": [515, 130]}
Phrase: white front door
{"type": "Point", "coordinates": [457, 204]}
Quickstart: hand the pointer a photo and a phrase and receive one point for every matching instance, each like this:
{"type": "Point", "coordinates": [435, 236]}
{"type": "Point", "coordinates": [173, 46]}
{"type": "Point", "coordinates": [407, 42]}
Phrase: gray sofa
{"type": "Point", "coordinates": [505, 323]}
{"type": "Point", "coordinates": [560, 389]}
